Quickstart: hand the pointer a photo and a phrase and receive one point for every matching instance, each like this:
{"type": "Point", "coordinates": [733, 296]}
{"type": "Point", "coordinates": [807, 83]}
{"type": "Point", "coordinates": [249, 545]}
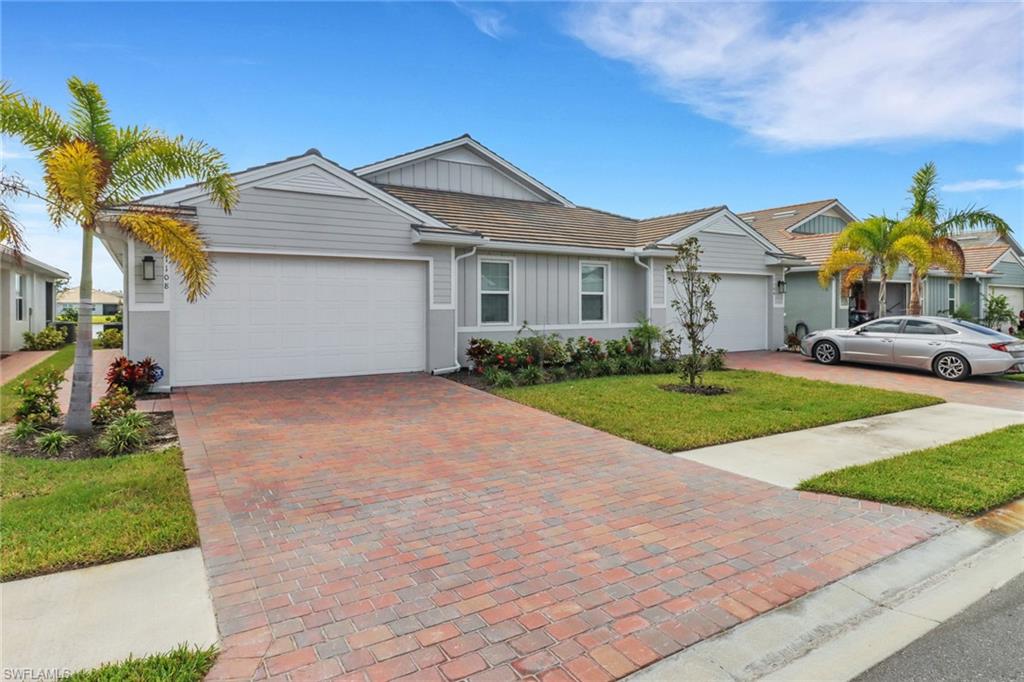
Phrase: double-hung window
{"type": "Point", "coordinates": [593, 292]}
{"type": "Point", "coordinates": [952, 298]}
{"type": "Point", "coordinates": [495, 291]}
{"type": "Point", "coordinates": [19, 297]}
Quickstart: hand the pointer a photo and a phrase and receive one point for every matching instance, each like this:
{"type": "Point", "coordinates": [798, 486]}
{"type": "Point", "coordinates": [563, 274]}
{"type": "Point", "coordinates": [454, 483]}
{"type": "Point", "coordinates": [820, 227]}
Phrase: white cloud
{"type": "Point", "coordinates": [10, 150]}
{"type": "Point", "coordinates": [488, 20]}
{"type": "Point", "coordinates": [849, 74]}
{"type": "Point", "coordinates": [987, 184]}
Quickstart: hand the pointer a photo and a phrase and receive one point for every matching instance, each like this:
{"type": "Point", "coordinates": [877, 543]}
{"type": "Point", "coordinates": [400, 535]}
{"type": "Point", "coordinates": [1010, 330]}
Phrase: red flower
{"type": "Point", "coordinates": [529, 359]}
{"type": "Point", "coordinates": [629, 348]}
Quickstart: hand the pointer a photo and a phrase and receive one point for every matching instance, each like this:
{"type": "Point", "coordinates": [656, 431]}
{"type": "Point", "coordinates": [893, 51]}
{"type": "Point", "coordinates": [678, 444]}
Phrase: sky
{"type": "Point", "coordinates": [636, 109]}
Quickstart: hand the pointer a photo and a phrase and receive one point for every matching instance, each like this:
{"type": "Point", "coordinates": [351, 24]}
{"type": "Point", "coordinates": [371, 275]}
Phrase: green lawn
{"type": "Point", "coordinates": [761, 403]}
{"type": "Point", "coordinates": [60, 360]}
{"type": "Point", "coordinates": [965, 477]}
{"type": "Point", "coordinates": [56, 515]}
{"type": "Point", "coordinates": [184, 664]}
{"type": "Point", "coordinates": [103, 319]}
{"type": "Point", "coordinates": [1015, 377]}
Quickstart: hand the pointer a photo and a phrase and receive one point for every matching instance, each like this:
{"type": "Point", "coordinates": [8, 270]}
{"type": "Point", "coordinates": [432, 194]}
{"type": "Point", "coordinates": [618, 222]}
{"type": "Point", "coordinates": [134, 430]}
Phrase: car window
{"type": "Point", "coordinates": [883, 327]}
{"type": "Point", "coordinates": [975, 327]}
{"type": "Point", "coordinates": [925, 327]}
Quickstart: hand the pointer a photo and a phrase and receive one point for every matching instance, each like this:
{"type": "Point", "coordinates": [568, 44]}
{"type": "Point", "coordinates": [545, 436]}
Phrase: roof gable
{"type": "Point", "coordinates": [458, 153]}
{"type": "Point", "coordinates": [722, 221]}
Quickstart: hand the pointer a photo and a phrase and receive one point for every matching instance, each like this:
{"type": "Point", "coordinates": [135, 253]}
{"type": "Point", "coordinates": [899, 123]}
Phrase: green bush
{"type": "Point", "coordinates": [715, 360]}
{"type": "Point", "coordinates": [499, 378]}
{"type": "Point", "coordinates": [110, 338]}
{"type": "Point", "coordinates": [49, 338]}
{"type": "Point", "coordinates": [68, 315]}
{"type": "Point", "coordinates": [114, 405]}
{"type": "Point", "coordinates": [53, 442]}
{"type": "Point", "coordinates": [24, 430]}
{"type": "Point", "coordinates": [38, 398]}
{"type": "Point", "coordinates": [125, 434]}
{"type": "Point", "coordinates": [531, 376]}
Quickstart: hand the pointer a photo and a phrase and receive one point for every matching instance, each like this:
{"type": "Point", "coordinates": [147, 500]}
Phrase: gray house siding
{"type": "Point", "coordinates": [454, 176]}
{"type": "Point", "coordinates": [1010, 274]}
{"type": "Point", "coordinates": [822, 224]}
{"type": "Point", "coordinates": [808, 303]}
{"type": "Point", "coordinates": [730, 253]}
{"type": "Point", "coordinates": [970, 295]}
{"type": "Point", "coordinates": [937, 295]}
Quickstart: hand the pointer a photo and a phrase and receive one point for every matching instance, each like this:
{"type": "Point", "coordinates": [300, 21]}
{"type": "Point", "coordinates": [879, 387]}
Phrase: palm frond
{"type": "Point", "coordinates": [90, 116]}
{"type": "Point", "coordinates": [948, 254]}
{"type": "Point", "coordinates": [75, 173]}
{"type": "Point", "coordinates": [38, 127]}
{"type": "Point", "coordinates": [913, 225]}
{"type": "Point", "coordinates": [912, 248]}
{"type": "Point", "coordinates": [923, 194]}
{"type": "Point", "coordinates": [858, 273]}
{"type": "Point", "coordinates": [838, 261]}
{"type": "Point", "coordinates": [177, 240]}
{"type": "Point", "coordinates": [970, 219]}
{"type": "Point", "coordinates": [11, 233]}
{"type": "Point", "coordinates": [156, 160]}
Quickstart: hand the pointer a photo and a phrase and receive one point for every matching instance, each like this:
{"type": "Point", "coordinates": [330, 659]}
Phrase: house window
{"type": "Point", "coordinates": [593, 292]}
{"type": "Point", "coordinates": [496, 292]}
{"type": "Point", "coordinates": [952, 297]}
{"type": "Point", "coordinates": [19, 297]}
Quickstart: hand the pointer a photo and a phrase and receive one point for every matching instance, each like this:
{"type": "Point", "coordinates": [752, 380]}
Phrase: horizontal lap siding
{"type": "Point", "coordinates": [274, 220]}
{"type": "Point", "coordinates": [1009, 274]}
{"type": "Point", "coordinates": [731, 253]}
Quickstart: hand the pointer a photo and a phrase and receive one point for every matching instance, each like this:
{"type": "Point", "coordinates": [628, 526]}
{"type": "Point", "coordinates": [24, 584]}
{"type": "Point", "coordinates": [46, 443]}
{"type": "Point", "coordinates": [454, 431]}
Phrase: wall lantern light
{"type": "Point", "coordinates": [148, 268]}
{"type": "Point", "coordinates": [780, 286]}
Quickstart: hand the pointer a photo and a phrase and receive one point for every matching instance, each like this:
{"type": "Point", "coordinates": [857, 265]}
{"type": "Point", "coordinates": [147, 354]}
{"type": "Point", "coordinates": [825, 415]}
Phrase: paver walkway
{"type": "Point", "coordinates": [383, 527]}
{"type": "Point", "coordinates": [21, 361]}
{"type": "Point", "coordinates": [989, 391]}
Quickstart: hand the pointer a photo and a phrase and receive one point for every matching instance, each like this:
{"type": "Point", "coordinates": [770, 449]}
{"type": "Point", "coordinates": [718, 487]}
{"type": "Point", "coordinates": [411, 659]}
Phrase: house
{"type": "Point", "coordinates": [809, 230]}
{"type": "Point", "coordinates": [393, 267]}
{"type": "Point", "coordinates": [103, 302]}
{"type": "Point", "coordinates": [27, 297]}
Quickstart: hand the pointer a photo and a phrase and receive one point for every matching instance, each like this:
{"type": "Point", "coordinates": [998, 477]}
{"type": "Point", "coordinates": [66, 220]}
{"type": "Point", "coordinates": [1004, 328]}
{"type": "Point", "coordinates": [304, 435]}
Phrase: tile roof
{"type": "Point", "coordinates": [98, 296]}
{"type": "Point", "coordinates": [774, 223]}
{"type": "Point", "coordinates": [982, 258]}
{"type": "Point", "coordinates": [539, 222]}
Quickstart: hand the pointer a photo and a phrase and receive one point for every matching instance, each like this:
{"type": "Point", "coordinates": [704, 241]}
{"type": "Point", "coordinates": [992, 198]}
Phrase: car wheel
{"type": "Point", "coordinates": [801, 331]}
{"type": "Point", "coordinates": [951, 367]}
{"type": "Point", "coordinates": [826, 352]}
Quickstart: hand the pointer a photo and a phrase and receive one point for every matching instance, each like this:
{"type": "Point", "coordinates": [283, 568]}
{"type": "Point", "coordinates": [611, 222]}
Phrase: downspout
{"type": "Point", "coordinates": [455, 292]}
{"type": "Point", "coordinates": [647, 288]}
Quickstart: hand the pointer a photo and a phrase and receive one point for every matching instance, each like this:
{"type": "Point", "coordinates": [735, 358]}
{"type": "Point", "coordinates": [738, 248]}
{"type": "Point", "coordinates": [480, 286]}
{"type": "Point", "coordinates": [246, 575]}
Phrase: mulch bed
{"type": "Point", "coordinates": [468, 378]}
{"type": "Point", "coordinates": [695, 390]}
{"type": "Point", "coordinates": [162, 434]}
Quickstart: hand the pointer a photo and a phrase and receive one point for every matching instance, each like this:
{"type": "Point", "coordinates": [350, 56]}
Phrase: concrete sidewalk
{"type": "Point", "coordinates": [77, 620]}
{"type": "Point", "coordinates": [789, 458]}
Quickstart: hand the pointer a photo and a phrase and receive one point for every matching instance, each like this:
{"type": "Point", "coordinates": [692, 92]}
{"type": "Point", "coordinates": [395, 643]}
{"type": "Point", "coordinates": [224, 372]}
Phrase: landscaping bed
{"type": "Point", "coordinates": [963, 478]}
{"type": "Point", "coordinates": [160, 434]}
{"type": "Point", "coordinates": [758, 404]}
{"type": "Point", "coordinates": [59, 361]}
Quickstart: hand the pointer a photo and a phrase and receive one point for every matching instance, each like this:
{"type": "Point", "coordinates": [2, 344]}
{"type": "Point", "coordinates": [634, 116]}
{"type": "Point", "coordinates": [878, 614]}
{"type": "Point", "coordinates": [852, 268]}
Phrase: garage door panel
{"type": "Point", "coordinates": [272, 317]}
{"type": "Point", "coordinates": [741, 302]}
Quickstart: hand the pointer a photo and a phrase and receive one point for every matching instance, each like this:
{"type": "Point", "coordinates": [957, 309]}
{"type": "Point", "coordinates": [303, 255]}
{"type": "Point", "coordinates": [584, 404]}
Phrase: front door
{"type": "Point", "coordinates": [873, 343]}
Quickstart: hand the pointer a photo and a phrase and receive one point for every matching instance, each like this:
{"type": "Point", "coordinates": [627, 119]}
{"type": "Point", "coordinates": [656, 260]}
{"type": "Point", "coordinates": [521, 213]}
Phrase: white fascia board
{"type": "Point", "coordinates": [525, 247]}
{"type": "Point", "coordinates": [248, 178]}
{"type": "Point", "coordinates": [1009, 256]}
{"type": "Point", "coordinates": [835, 204]}
{"type": "Point", "coordinates": [35, 264]}
{"type": "Point", "coordinates": [456, 238]}
{"type": "Point", "coordinates": [507, 167]}
{"type": "Point", "coordinates": [704, 223]}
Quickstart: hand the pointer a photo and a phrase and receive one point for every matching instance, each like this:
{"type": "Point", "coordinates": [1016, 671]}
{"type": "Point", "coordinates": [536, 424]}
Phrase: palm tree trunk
{"type": "Point", "coordinates": [79, 417]}
{"type": "Point", "coordinates": [914, 307]}
{"type": "Point", "coordinates": [882, 280]}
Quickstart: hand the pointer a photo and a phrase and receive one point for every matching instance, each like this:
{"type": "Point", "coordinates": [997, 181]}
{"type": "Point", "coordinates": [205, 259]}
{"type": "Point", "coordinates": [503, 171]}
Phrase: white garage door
{"type": "Point", "coordinates": [1014, 296]}
{"type": "Point", "coordinates": [742, 305]}
{"type": "Point", "coordinates": [281, 317]}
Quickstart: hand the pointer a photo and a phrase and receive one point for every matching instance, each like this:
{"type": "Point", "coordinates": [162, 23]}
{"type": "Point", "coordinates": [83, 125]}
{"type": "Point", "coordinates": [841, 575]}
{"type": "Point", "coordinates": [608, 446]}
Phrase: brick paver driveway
{"type": "Point", "coordinates": [987, 391]}
{"type": "Point", "coordinates": [409, 526]}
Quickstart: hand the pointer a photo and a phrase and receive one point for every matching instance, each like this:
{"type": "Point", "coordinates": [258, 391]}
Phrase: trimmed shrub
{"type": "Point", "coordinates": [112, 406]}
{"type": "Point", "coordinates": [134, 376]}
{"type": "Point", "coordinates": [53, 442]}
{"type": "Point", "coordinates": [39, 398]}
{"type": "Point", "coordinates": [125, 434]}
{"type": "Point", "coordinates": [110, 338]}
{"type": "Point", "coordinates": [49, 338]}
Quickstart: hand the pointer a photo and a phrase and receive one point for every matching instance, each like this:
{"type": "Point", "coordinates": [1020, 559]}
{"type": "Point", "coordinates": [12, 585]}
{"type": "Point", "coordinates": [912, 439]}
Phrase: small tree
{"type": "Point", "coordinates": [998, 311]}
{"type": "Point", "coordinates": [692, 302]}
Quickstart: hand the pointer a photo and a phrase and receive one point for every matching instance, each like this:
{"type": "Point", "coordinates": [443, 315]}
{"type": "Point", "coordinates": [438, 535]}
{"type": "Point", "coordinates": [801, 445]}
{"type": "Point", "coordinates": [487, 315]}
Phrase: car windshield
{"type": "Point", "coordinates": [975, 328]}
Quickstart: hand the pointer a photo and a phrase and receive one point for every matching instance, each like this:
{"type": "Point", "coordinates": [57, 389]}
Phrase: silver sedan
{"type": "Point", "coordinates": [952, 349]}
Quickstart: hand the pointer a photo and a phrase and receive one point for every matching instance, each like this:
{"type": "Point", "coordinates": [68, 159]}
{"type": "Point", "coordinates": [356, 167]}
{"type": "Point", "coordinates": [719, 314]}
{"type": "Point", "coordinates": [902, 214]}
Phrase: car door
{"type": "Point", "coordinates": [919, 342]}
{"type": "Point", "coordinates": [873, 342]}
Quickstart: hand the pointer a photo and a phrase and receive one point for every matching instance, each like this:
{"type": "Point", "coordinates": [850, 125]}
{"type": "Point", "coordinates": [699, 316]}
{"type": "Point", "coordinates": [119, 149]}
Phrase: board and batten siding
{"type": "Point", "coordinates": [822, 224]}
{"type": "Point", "coordinates": [272, 220]}
{"type": "Point", "coordinates": [546, 289]}
{"type": "Point", "coordinates": [454, 176]}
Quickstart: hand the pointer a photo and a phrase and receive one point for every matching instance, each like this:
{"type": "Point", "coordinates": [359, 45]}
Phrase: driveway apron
{"type": "Point", "coordinates": [404, 525]}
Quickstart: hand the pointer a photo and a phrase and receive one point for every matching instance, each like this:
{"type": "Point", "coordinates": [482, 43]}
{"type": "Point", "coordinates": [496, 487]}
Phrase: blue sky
{"type": "Point", "coordinates": [640, 110]}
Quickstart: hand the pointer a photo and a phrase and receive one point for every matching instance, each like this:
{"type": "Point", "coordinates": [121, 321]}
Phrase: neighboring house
{"type": "Point", "coordinates": [27, 297]}
{"type": "Point", "coordinates": [392, 267]}
{"type": "Point", "coordinates": [810, 229]}
{"type": "Point", "coordinates": [103, 302]}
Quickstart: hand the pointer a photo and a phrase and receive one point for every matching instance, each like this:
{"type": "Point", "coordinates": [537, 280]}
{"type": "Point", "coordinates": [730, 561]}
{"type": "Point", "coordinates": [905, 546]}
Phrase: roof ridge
{"type": "Point", "coordinates": [678, 213]}
{"type": "Point", "coordinates": [777, 208]}
{"type": "Point", "coordinates": [463, 136]}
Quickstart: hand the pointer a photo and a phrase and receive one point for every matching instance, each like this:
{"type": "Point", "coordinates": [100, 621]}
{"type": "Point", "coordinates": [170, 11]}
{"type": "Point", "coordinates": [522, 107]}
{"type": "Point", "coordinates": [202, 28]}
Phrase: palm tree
{"type": "Point", "coordinates": [878, 243]}
{"type": "Point", "coordinates": [92, 166]}
{"type": "Point", "coordinates": [946, 251]}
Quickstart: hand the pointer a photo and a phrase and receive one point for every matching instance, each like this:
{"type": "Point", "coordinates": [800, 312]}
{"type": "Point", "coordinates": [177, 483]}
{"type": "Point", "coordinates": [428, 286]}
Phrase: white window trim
{"type": "Point", "coordinates": [606, 294]}
{"type": "Point", "coordinates": [19, 296]}
{"type": "Point", "coordinates": [511, 261]}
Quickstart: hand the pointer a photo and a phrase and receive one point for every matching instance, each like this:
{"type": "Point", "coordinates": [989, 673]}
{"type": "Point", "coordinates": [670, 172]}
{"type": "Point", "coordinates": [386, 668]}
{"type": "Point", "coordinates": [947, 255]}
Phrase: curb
{"type": "Point", "coordinates": [843, 629]}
